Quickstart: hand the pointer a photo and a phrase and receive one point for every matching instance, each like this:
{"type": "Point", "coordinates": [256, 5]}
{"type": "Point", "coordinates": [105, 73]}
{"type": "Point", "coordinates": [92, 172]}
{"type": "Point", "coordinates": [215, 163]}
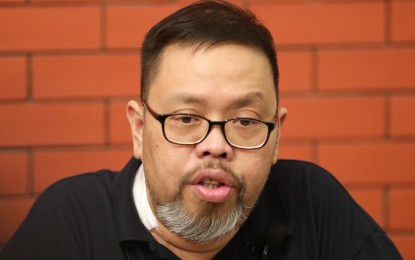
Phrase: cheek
{"type": "Point", "coordinates": [255, 175]}
{"type": "Point", "coordinates": [164, 164]}
{"type": "Point", "coordinates": [273, 146]}
{"type": "Point", "coordinates": [254, 185]}
{"type": "Point", "coordinates": [156, 167]}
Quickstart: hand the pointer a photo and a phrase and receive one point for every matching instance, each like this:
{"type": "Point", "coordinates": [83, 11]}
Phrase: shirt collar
{"type": "Point", "coordinates": [126, 216]}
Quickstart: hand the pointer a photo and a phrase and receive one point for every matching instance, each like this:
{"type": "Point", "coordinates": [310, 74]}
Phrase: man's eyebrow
{"type": "Point", "coordinates": [249, 98]}
{"type": "Point", "coordinates": [242, 100]}
{"type": "Point", "coordinates": [186, 98]}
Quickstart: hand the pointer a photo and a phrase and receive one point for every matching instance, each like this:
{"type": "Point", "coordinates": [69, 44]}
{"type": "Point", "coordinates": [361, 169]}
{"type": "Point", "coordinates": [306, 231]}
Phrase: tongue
{"type": "Point", "coordinates": [219, 194]}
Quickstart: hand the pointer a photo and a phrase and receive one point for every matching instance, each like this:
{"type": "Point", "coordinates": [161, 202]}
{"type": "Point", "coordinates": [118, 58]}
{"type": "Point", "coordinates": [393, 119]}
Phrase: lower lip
{"type": "Point", "coordinates": [217, 195]}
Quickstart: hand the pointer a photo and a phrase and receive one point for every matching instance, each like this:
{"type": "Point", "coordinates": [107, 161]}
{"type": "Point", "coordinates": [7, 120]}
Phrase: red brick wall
{"type": "Point", "coordinates": [67, 68]}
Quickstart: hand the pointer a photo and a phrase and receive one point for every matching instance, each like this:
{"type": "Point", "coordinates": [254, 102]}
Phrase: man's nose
{"type": "Point", "coordinates": [215, 145]}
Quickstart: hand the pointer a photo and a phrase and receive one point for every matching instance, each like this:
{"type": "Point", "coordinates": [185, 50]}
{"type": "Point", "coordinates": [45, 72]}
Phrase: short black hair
{"type": "Point", "coordinates": [205, 23]}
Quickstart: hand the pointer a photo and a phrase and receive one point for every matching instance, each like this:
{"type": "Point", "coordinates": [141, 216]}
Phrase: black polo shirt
{"type": "Point", "coordinates": [303, 213]}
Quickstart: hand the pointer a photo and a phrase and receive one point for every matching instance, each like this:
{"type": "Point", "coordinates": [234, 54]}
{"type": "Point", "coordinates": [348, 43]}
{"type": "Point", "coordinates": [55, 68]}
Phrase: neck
{"type": "Point", "coordinates": [185, 249]}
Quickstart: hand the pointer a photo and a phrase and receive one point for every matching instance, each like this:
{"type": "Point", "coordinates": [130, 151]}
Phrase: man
{"type": "Point", "coordinates": [202, 184]}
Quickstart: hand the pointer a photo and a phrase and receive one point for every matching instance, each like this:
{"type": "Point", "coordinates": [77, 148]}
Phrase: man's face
{"type": "Point", "coordinates": [218, 83]}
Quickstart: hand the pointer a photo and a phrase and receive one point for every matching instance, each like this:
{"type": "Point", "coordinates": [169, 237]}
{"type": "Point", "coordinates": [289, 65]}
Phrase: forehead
{"type": "Point", "coordinates": [219, 72]}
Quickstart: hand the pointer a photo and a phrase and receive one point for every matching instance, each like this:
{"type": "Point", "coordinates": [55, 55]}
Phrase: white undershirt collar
{"type": "Point", "coordinates": [145, 213]}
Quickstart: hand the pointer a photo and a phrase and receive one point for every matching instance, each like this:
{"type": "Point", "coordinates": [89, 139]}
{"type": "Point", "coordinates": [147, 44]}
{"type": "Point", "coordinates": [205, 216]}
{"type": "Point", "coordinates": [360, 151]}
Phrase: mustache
{"type": "Point", "coordinates": [236, 180]}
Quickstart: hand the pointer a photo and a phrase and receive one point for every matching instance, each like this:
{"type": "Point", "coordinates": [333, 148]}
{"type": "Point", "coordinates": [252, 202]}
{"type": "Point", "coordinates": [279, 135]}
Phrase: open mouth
{"type": "Point", "coordinates": [211, 183]}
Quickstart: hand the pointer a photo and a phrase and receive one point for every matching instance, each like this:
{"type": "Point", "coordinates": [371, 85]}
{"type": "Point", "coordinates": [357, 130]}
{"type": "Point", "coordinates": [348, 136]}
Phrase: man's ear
{"type": "Point", "coordinates": [282, 115]}
{"type": "Point", "coordinates": [135, 114]}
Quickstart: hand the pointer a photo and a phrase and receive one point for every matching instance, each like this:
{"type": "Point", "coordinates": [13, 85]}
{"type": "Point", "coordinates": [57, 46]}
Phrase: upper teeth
{"type": "Point", "coordinates": [211, 183]}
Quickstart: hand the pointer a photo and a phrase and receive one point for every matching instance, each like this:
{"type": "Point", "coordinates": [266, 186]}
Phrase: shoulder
{"type": "Point", "coordinates": [79, 191]}
{"type": "Point", "coordinates": [297, 167]}
{"type": "Point", "coordinates": [85, 182]}
{"type": "Point", "coordinates": [322, 210]}
{"type": "Point", "coordinates": [300, 180]}
{"type": "Point", "coordinates": [309, 190]}
{"type": "Point", "coordinates": [91, 180]}
{"type": "Point", "coordinates": [296, 174]}
{"type": "Point", "coordinates": [72, 215]}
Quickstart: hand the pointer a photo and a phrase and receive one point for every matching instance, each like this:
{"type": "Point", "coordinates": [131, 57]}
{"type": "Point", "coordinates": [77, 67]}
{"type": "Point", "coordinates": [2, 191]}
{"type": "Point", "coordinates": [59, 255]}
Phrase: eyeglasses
{"type": "Point", "coordinates": [188, 129]}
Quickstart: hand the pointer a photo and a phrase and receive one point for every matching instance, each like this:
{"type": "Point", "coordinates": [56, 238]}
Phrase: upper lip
{"type": "Point", "coordinates": [215, 174]}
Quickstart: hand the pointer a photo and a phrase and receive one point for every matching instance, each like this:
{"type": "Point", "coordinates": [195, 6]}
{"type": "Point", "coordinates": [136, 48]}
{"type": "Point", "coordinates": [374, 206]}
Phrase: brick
{"type": "Point", "coordinates": [65, 1]}
{"type": "Point", "coordinates": [295, 71]}
{"type": "Point", "coordinates": [51, 124]}
{"type": "Point", "coordinates": [324, 23]}
{"type": "Point", "coordinates": [253, 3]}
{"type": "Point", "coordinates": [403, 22]}
{"type": "Point", "coordinates": [379, 163]}
{"type": "Point", "coordinates": [402, 116]}
{"type": "Point", "coordinates": [372, 201]}
{"type": "Point", "coordinates": [12, 1]}
{"type": "Point", "coordinates": [13, 172]}
{"type": "Point", "coordinates": [86, 76]}
{"type": "Point", "coordinates": [405, 245]}
{"type": "Point", "coordinates": [237, 2]}
{"type": "Point", "coordinates": [366, 70]}
{"type": "Point", "coordinates": [351, 1]}
{"type": "Point", "coordinates": [12, 78]}
{"type": "Point", "coordinates": [120, 131]}
{"type": "Point", "coordinates": [12, 214]}
{"type": "Point", "coordinates": [334, 117]}
{"type": "Point", "coordinates": [49, 28]}
{"type": "Point", "coordinates": [140, 2]}
{"type": "Point", "coordinates": [295, 152]}
{"type": "Point", "coordinates": [48, 163]}
{"type": "Point", "coordinates": [128, 25]}
{"type": "Point", "coordinates": [402, 215]}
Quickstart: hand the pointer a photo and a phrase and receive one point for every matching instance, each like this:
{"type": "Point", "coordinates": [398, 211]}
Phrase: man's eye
{"type": "Point", "coordinates": [183, 119]}
{"type": "Point", "coordinates": [187, 119]}
{"type": "Point", "coordinates": [245, 122]}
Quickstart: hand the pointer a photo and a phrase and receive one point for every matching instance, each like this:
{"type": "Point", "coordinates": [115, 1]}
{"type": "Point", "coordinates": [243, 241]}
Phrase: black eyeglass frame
{"type": "Point", "coordinates": [162, 118]}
